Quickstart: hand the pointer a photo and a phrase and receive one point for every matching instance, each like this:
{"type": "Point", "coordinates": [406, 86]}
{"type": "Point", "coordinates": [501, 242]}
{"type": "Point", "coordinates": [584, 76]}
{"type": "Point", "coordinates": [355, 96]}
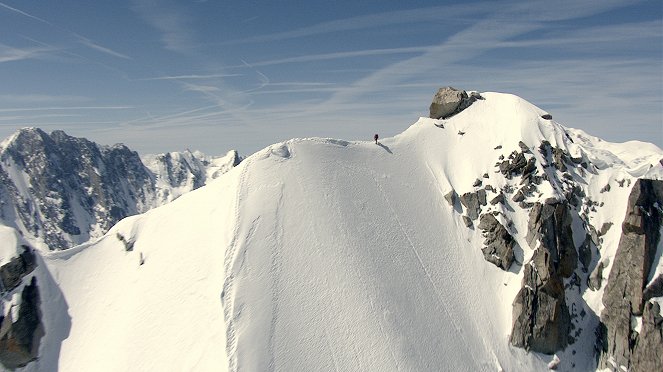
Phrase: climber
{"type": "Point", "coordinates": [375, 137]}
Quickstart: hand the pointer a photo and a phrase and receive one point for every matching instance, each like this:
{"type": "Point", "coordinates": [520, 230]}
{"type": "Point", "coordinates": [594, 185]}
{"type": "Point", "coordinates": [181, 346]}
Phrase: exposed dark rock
{"type": "Point", "coordinates": [477, 183]}
{"type": "Point", "coordinates": [550, 224]}
{"type": "Point", "coordinates": [485, 175]}
{"type": "Point", "coordinates": [585, 253]}
{"type": "Point", "coordinates": [546, 116]}
{"type": "Point", "coordinates": [655, 289]}
{"type": "Point", "coordinates": [523, 147]}
{"type": "Point", "coordinates": [604, 228]}
{"type": "Point", "coordinates": [481, 196]}
{"type": "Point", "coordinates": [498, 199]}
{"type": "Point", "coordinates": [445, 102]}
{"type": "Point", "coordinates": [128, 243]}
{"type": "Point", "coordinates": [525, 205]}
{"type": "Point", "coordinates": [518, 196]}
{"type": "Point", "coordinates": [467, 221]}
{"type": "Point", "coordinates": [541, 319]}
{"type": "Point", "coordinates": [451, 197]}
{"type": "Point", "coordinates": [605, 188]}
{"type": "Point", "coordinates": [530, 167]}
{"type": "Point", "coordinates": [13, 271]}
{"type": "Point", "coordinates": [594, 235]}
{"type": "Point", "coordinates": [648, 347]}
{"type": "Point", "coordinates": [472, 202]}
{"type": "Point", "coordinates": [498, 246]}
{"type": "Point", "coordinates": [596, 278]}
{"type": "Point", "coordinates": [559, 159]}
{"type": "Point", "coordinates": [19, 341]}
{"type": "Point", "coordinates": [449, 101]}
{"type": "Point", "coordinates": [514, 166]}
{"type": "Point", "coordinates": [497, 147]}
{"type": "Point", "coordinates": [624, 292]}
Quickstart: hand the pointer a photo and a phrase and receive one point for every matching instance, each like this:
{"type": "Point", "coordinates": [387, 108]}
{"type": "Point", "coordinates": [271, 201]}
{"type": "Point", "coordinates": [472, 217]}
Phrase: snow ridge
{"type": "Point", "coordinates": [320, 254]}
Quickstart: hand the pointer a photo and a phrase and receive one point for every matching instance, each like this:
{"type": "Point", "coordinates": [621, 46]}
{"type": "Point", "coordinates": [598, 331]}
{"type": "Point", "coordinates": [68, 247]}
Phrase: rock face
{"type": "Point", "coordinates": [550, 225]}
{"type": "Point", "coordinates": [541, 319]}
{"type": "Point", "coordinates": [498, 246]}
{"type": "Point", "coordinates": [449, 101]}
{"type": "Point", "coordinates": [472, 201]}
{"type": "Point", "coordinates": [65, 190]}
{"type": "Point", "coordinates": [624, 295]}
{"type": "Point", "coordinates": [647, 351]}
{"type": "Point", "coordinates": [13, 272]}
{"type": "Point", "coordinates": [19, 340]}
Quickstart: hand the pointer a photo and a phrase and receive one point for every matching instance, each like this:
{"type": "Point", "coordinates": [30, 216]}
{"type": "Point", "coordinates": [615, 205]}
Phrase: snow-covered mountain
{"type": "Point", "coordinates": [493, 240]}
{"type": "Point", "coordinates": [59, 191]}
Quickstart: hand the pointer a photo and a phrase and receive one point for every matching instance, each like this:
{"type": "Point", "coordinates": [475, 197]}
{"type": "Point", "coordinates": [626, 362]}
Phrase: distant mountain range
{"type": "Point", "coordinates": [59, 191]}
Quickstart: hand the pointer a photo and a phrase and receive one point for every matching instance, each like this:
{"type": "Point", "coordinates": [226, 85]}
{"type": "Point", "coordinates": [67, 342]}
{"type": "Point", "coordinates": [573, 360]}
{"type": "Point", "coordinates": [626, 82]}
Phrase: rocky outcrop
{"type": "Point", "coordinates": [596, 277]}
{"type": "Point", "coordinates": [498, 246]}
{"type": "Point", "coordinates": [472, 201]}
{"type": "Point", "coordinates": [624, 295]}
{"type": "Point", "coordinates": [18, 267]}
{"type": "Point", "coordinates": [649, 344]}
{"type": "Point", "coordinates": [451, 197]}
{"type": "Point", "coordinates": [449, 101]}
{"type": "Point", "coordinates": [550, 225]}
{"type": "Point", "coordinates": [541, 319]}
{"type": "Point", "coordinates": [19, 340]}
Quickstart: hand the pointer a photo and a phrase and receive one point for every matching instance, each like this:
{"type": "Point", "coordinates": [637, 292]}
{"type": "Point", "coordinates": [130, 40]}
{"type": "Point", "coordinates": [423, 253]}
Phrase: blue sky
{"type": "Point", "coordinates": [219, 75]}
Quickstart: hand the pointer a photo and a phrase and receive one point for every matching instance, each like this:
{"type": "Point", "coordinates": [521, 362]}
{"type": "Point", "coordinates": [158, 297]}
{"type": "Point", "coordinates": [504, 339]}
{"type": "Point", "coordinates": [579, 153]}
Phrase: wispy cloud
{"type": "Point", "coordinates": [3, 5]}
{"type": "Point", "coordinates": [62, 108]}
{"type": "Point", "coordinates": [341, 55]}
{"type": "Point", "coordinates": [190, 77]}
{"type": "Point", "coordinates": [81, 39]}
{"type": "Point", "coordinates": [41, 98]}
{"type": "Point", "coordinates": [90, 44]}
{"type": "Point", "coordinates": [484, 35]}
{"type": "Point", "coordinates": [174, 26]}
{"type": "Point", "coordinates": [10, 54]}
{"type": "Point", "coordinates": [452, 13]}
{"type": "Point", "coordinates": [17, 118]}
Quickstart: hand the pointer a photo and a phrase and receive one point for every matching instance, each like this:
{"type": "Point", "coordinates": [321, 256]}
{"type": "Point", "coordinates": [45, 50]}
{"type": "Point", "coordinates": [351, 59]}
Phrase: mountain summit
{"type": "Point", "coordinates": [494, 239]}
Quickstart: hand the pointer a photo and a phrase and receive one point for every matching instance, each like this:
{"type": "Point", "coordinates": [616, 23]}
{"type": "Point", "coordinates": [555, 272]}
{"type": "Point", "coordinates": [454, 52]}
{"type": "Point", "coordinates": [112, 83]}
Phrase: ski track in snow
{"type": "Point", "coordinates": [440, 297]}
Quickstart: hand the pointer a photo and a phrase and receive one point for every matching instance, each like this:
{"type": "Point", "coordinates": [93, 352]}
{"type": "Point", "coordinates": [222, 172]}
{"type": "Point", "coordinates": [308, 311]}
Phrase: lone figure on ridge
{"type": "Point", "coordinates": [375, 137]}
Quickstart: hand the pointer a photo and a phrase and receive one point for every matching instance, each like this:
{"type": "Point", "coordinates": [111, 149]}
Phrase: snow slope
{"type": "Point", "coordinates": [321, 254]}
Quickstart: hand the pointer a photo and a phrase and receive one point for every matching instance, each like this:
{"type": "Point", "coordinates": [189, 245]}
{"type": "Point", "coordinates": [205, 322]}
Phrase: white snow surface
{"type": "Point", "coordinates": [322, 254]}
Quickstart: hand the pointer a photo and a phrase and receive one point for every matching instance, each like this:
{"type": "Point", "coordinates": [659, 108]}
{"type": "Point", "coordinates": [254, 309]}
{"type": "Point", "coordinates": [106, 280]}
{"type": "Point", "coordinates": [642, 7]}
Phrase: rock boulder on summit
{"type": "Point", "coordinates": [449, 101]}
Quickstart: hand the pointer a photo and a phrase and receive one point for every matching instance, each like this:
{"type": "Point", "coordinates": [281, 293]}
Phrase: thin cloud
{"type": "Point", "coordinates": [25, 14]}
{"type": "Point", "coordinates": [482, 36]}
{"type": "Point", "coordinates": [173, 26]}
{"type": "Point", "coordinates": [592, 36]}
{"type": "Point", "coordinates": [190, 77]}
{"type": "Point", "coordinates": [15, 118]}
{"type": "Point", "coordinates": [41, 98]}
{"type": "Point", "coordinates": [90, 44]}
{"type": "Point", "coordinates": [55, 108]}
{"type": "Point", "coordinates": [81, 39]}
{"type": "Point", "coordinates": [452, 13]}
{"type": "Point", "coordinates": [11, 54]}
{"type": "Point", "coordinates": [341, 55]}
